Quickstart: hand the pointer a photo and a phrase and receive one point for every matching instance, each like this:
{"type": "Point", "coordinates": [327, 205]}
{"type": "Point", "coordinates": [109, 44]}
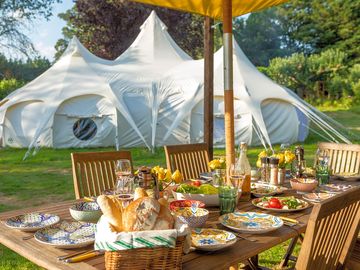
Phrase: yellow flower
{"type": "Point", "coordinates": [177, 177]}
{"type": "Point", "coordinates": [161, 174]}
{"type": "Point", "coordinates": [215, 164]}
{"type": "Point", "coordinates": [281, 158]}
{"type": "Point", "coordinates": [289, 156]}
{"type": "Point", "coordinates": [258, 163]}
{"type": "Point", "coordinates": [262, 154]}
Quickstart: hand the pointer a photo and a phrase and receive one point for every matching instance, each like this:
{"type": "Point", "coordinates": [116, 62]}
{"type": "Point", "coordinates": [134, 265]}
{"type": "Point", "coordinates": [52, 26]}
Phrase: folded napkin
{"type": "Point", "coordinates": [106, 239]}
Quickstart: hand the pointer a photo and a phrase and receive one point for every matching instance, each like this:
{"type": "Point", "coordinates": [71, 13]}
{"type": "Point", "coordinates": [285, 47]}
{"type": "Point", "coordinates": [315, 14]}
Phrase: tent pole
{"type": "Point", "coordinates": [209, 84]}
{"type": "Point", "coordinates": [228, 83]}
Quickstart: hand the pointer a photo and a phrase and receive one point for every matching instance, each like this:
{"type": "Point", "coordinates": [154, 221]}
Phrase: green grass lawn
{"type": "Point", "coordinates": [47, 177]}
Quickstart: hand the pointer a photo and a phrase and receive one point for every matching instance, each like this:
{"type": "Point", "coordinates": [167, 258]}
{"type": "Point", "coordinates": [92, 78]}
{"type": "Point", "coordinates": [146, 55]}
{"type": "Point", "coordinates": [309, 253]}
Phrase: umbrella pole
{"type": "Point", "coordinates": [228, 82]}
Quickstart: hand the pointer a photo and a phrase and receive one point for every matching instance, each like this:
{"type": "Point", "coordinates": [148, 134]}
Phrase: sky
{"type": "Point", "coordinates": [45, 33]}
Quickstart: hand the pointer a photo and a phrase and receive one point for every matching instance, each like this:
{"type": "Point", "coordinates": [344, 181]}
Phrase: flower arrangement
{"type": "Point", "coordinates": [216, 164]}
{"type": "Point", "coordinates": [285, 157]}
{"type": "Point", "coordinates": [164, 175]}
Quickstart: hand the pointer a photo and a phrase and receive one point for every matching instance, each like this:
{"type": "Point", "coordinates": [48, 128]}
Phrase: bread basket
{"type": "Point", "coordinates": [122, 250]}
{"type": "Point", "coordinates": [146, 258]}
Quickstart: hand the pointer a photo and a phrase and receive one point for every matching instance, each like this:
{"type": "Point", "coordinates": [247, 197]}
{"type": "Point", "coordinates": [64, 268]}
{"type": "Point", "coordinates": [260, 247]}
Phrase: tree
{"type": "Point", "coordinates": [107, 28]}
{"type": "Point", "coordinates": [317, 25]}
{"type": "Point", "coordinates": [17, 16]}
{"type": "Point", "coordinates": [261, 37]}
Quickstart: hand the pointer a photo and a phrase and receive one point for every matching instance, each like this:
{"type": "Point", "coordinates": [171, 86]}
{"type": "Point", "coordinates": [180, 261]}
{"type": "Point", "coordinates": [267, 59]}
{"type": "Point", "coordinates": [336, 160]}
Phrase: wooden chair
{"type": "Point", "coordinates": [189, 159]}
{"type": "Point", "coordinates": [354, 261]}
{"type": "Point", "coordinates": [331, 232]}
{"type": "Point", "coordinates": [94, 172]}
{"type": "Point", "coordinates": [344, 158]}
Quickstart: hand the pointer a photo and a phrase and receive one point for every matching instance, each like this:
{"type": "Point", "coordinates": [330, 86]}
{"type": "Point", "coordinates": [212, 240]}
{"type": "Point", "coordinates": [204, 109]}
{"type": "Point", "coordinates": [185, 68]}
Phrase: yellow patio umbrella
{"type": "Point", "coordinates": [223, 10]}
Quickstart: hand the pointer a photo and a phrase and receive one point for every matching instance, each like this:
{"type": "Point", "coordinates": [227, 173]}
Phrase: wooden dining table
{"type": "Point", "coordinates": [46, 256]}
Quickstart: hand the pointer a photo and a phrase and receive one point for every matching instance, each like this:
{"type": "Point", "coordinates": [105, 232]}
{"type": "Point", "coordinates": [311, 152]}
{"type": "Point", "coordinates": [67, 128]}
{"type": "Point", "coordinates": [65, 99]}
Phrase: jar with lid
{"type": "Point", "coordinates": [274, 170]}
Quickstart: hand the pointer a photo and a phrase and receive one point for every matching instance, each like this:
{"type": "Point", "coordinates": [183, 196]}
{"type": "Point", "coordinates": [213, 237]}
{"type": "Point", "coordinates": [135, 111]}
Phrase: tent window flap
{"type": "Point", "coordinates": [84, 129]}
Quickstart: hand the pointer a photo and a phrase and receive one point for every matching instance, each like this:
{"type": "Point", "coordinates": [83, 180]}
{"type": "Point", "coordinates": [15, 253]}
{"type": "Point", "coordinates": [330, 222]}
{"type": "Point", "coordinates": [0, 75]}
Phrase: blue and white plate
{"type": "Point", "coordinates": [32, 221]}
{"type": "Point", "coordinates": [67, 234]}
{"type": "Point", "coordinates": [251, 222]}
{"type": "Point", "coordinates": [211, 239]}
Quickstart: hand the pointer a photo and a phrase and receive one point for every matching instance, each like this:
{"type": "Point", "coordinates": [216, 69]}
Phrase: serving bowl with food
{"type": "Point", "coordinates": [206, 193]}
{"type": "Point", "coordinates": [193, 216]}
{"type": "Point", "coordinates": [304, 184]}
{"type": "Point", "coordinates": [281, 204]}
{"type": "Point", "coordinates": [185, 203]}
{"type": "Point", "coordinates": [86, 212]}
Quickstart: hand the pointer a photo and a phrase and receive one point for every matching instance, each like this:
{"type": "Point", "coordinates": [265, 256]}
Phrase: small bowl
{"type": "Point", "coordinates": [86, 212]}
{"type": "Point", "coordinates": [185, 215]}
{"type": "Point", "coordinates": [174, 205]}
{"type": "Point", "coordinates": [303, 184]}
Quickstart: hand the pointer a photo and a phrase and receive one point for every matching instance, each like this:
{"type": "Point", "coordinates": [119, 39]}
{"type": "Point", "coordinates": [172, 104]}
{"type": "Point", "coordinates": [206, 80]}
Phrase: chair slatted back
{"type": "Point", "coordinates": [189, 159]}
{"type": "Point", "coordinates": [344, 158]}
{"type": "Point", "coordinates": [331, 232]}
{"type": "Point", "coordinates": [354, 261]}
{"type": "Point", "coordinates": [94, 172]}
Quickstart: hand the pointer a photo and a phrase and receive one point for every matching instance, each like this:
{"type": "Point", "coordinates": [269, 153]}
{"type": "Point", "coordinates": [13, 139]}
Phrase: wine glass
{"type": "Point", "coordinates": [124, 179]}
{"type": "Point", "coordinates": [236, 176]}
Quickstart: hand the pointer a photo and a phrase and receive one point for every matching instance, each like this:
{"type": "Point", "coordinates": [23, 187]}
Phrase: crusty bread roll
{"type": "Point", "coordinates": [112, 210]}
{"type": "Point", "coordinates": [140, 193]}
{"type": "Point", "coordinates": [165, 220]}
{"type": "Point", "coordinates": [141, 214]}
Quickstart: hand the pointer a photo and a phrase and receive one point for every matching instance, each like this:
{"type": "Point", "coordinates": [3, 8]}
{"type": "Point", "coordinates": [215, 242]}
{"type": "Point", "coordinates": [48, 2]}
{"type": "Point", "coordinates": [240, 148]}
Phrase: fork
{"type": "Point", "coordinates": [245, 238]}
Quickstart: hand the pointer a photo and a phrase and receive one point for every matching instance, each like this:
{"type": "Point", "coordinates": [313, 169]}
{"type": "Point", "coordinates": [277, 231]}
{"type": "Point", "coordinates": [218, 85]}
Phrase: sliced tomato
{"type": "Point", "coordinates": [275, 203]}
{"type": "Point", "coordinates": [196, 183]}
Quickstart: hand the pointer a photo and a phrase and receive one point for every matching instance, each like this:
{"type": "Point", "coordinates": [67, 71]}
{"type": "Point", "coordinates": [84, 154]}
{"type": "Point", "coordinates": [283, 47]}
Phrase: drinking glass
{"type": "Point", "coordinates": [236, 176]}
{"type": "Point", "coordinates": [228, 197]}
{"type": "Point", "coordinates": [124, 179]}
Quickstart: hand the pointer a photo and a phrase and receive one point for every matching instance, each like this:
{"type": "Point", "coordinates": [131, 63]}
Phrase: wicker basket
{"type": "Point", "coordinates": [146, 258]}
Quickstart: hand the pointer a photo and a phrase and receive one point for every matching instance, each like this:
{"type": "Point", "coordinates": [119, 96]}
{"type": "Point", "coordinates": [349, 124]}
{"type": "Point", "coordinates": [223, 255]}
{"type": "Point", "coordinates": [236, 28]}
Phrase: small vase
{"type": "Point", "coordinates": [219, 177]}
{"type": "Point", "coordinates": [281, 176]}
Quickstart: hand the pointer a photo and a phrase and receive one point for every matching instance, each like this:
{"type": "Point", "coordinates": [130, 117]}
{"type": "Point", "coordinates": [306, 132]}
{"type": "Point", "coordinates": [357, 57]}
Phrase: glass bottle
{"type": "Point", "coordinates": [274, 170]}
{"type": "Point", "coordinates": [264, 169]}
{"type": "Point", "coordinates": [245, 171]}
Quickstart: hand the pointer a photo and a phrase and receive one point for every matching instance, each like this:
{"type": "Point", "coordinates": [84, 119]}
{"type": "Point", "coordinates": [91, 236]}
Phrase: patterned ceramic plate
{"type": "Point", "coordinates": [32, 221]}
{"type": "Point", "coordinates": [335, 188]}
{"type": "Point", "coordinates": [212, 239]}
{"type": "Point", "coordinates": [317, 197]}
{"type": "Point", "coordinates": [261, 190]}
{"type": "Point", "coordinates": [67, 234]}
{"type": "Point", "coordinates": [251, 222]}
{"type": "Point", "coordinates": [296, 203]}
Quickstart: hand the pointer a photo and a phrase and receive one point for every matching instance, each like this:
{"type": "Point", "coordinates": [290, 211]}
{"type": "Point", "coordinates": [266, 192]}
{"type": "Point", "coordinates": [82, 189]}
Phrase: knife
{"type": "Point", "coordinates": [289, 220]}
{"type": "Point", "coordinates": [86, 256]}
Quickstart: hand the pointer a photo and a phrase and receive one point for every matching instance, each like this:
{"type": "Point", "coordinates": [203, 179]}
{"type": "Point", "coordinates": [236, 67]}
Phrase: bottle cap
{"type": "Point", "coordinates": [274, 161]}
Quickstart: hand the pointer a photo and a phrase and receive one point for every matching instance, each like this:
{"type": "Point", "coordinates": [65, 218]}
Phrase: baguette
{"type": "Point", "coordinates": [112, 209]}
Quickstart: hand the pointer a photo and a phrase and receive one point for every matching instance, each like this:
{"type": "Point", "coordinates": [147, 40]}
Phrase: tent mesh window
{"type": "Point", "coordinates": [84, 129]}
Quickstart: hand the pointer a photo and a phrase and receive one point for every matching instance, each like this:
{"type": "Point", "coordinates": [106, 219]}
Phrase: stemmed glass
{"type": "Point", "coordinates": [236, 176]}
{"type": "Point", "coordinates": [124, 179]}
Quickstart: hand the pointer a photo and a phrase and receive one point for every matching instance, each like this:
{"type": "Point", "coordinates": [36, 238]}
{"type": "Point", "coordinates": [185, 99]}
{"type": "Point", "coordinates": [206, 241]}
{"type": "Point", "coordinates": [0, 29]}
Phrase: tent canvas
{"type": "Point", "coordinates": [151, 95]}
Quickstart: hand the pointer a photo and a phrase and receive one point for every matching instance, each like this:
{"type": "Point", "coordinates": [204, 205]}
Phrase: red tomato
{"type": "Point", "coordinates": [275, 203]}
{"type": "Point", "coordinates": [196, 183]}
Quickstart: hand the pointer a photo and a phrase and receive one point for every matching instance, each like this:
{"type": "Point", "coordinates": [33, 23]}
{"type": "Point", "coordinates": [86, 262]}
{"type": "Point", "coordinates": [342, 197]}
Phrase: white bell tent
{"type": "Point", "coordinates": [151, 95]}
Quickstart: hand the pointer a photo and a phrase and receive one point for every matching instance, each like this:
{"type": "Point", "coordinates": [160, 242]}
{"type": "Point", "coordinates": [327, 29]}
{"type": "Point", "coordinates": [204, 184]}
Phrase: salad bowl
{"type": "Point", "coordinates": [206, 193]}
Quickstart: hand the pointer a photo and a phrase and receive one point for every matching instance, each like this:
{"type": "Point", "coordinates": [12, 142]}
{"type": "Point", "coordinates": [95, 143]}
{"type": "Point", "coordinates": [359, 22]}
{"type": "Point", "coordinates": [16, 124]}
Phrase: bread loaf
{"type": "Point", "coordinates": [112, 210]}
{"type": "Point", "coordinates": [141, 214]}
{"type": "Point", "coordinates": [165, 220]}
{"type": "Point", "coordinates": [140, 193]}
